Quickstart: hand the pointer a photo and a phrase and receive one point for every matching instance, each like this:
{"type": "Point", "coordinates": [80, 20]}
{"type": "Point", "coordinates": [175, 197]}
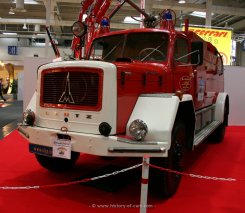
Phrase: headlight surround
{"type": "Point", "coordinates": [138, 129]}
{"type": "Point", "coordinates": [29, 117]}
{"type": "Point", "coordinates": [79, 29]}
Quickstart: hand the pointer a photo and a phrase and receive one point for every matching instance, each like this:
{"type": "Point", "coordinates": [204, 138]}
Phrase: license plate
{"type": "Point", "coordinates": [41, 150]}
{"type": "Point", "coordinates": [61, 149]}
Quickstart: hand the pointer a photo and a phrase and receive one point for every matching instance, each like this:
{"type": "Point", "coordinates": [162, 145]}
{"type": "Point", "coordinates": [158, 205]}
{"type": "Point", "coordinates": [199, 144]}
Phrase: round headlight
{"type": "Point", "coordinates": [79, 29]}
{"type": "Point", "coordinates": [29, 117]}
{"type": "Point", "coordinates": [138, 129]}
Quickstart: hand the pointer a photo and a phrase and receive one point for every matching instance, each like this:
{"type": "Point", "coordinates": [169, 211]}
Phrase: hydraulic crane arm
{"type": "Point", "coordinates": [98, 23]}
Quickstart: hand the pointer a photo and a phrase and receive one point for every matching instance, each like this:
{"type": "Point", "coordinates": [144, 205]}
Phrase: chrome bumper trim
{"type": "Point", "coordinates": [125, 149]}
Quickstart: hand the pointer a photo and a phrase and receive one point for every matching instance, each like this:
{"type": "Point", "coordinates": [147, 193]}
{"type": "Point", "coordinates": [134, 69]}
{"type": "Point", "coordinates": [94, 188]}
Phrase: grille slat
{"type": "Point", "coordinates": [71, 88]}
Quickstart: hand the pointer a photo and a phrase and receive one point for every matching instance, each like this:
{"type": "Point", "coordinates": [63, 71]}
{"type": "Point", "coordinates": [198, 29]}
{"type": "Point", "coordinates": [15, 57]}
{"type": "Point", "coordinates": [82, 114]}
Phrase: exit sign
{"type": "Point", "coordinates": [12, 50]}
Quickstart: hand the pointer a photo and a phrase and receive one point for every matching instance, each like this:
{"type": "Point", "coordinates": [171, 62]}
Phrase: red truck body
{"type": "Point", "coordinates": [130, 93]}
{"type": "Point", "coordinates": [135, 77]}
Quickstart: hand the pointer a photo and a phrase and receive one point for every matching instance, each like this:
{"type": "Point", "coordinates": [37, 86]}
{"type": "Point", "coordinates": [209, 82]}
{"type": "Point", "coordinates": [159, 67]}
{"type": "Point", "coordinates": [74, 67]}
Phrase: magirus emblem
{"type": "Point", "coordinates": [66, 96]}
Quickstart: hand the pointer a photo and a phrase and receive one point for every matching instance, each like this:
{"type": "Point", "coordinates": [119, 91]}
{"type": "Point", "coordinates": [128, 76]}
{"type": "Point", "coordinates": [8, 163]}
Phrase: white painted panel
{"type": "Point", "coordinates": [235, 87]}
{"type": "Point", "coordinates": [30, 77]}
{"type": "Point", "coordinates": [158, 113]}
{"type": "Point", "coordinates": [54, 118]}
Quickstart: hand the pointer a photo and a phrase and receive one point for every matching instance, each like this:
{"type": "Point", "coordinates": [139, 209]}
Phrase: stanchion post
{"type": "Point", "coordinates": [144, 184]}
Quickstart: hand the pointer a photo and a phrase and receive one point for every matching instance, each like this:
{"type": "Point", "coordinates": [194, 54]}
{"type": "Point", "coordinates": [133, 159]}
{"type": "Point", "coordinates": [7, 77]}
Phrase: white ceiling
{"type": "Point", "coordinates": [63, 13]}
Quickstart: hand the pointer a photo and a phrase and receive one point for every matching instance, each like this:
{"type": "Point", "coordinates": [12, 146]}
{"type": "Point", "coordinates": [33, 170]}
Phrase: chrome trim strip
{"type": "Point", "coordinates": [124, 140]}
{"type": "Point", "coordinates": [135, 149]}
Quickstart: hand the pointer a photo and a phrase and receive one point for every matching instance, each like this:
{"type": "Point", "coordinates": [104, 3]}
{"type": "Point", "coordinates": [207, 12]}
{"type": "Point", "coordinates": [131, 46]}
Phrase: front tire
{"type": "Point", "coordinates": [57, 164]}
{"type": "Point", "coordinates": [165, 184]}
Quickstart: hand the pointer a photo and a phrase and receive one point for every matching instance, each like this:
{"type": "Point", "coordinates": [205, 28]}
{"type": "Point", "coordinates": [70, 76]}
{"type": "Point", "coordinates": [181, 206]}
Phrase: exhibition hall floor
{"type": "Point", "coordinates": [10, 115]}
{"type": "Point", "coordinates": [121, 193]}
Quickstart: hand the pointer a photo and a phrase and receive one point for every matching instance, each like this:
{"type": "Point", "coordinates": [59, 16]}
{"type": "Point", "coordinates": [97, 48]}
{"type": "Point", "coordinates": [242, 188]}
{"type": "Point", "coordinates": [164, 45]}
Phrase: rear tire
{"type": "Point", "coordinates": [165, 184]}
{"type": "Point", "coordinates": [57, 164]}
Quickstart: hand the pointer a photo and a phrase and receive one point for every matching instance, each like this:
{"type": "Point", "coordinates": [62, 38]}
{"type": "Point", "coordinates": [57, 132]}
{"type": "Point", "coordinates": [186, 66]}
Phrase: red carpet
{"type": "Point", "coordinates": [19, 168]}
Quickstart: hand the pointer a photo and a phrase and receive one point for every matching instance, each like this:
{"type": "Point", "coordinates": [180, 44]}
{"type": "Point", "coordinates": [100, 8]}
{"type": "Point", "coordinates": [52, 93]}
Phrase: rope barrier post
{"type": "Point", "coordinates": [144, 184]}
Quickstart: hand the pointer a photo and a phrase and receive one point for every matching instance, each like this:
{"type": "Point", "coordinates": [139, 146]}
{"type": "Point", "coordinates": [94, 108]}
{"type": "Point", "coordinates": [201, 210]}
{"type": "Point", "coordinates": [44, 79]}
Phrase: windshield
{"type": "Point", "coordinates": [151, 46]}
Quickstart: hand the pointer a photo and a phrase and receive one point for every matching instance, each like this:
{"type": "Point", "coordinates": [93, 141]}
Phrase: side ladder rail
{"type": "Point", "coordinates": [207, 125]}
{"type": "Point", "coordinates": [205, 132]}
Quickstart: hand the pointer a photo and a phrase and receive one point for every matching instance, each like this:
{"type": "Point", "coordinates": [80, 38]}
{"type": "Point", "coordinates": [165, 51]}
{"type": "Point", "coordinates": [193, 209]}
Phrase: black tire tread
{"type": "Point", "coordinates": [57, 164]}
{"type": "Point", "coordinates": [163, 183]}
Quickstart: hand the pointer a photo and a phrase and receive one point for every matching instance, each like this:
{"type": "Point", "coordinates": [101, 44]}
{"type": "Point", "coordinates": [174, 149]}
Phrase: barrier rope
{"type": "Point", "coordinates": [118, 172]}
{"type": "Point", "coordinates": [195, 175]}
{"type": "Point", "coordinates": [69, 183]}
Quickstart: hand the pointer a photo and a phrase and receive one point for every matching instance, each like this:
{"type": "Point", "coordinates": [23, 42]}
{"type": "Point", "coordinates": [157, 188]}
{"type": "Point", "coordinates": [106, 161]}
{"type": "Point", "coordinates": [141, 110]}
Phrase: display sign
{"type": "Point", "coordinates": [221, 39]}
{"type": "Point", "coordinates": [12, 50]}
{"type": "Point", "coordinates": [62, 148]}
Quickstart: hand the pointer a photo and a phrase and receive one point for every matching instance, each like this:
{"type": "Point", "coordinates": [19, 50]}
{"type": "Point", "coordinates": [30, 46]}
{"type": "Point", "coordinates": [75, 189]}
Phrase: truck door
{"type": "Point", "coordinates": [214, 76]}
{"type": "Point", "coordinates": [183, 71]}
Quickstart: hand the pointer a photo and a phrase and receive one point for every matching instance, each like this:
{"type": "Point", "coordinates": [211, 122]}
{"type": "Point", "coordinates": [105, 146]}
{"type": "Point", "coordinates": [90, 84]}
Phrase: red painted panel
{"type": "Point", "coordinates": [138, 78]}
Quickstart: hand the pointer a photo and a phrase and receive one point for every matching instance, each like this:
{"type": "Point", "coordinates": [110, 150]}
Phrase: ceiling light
{"type": "Point", "coordinates": [130, 20]}
{"type": "Point", "coordinates": [181, 1]}
{"type": "Point", "coordinates": [24, 26]}
{"type": "Point", "coordinates": [200, 14]}
{"type": "Point", "coordinates": [29, 2]}
{"type": "Point", "coordinates": [11, 11]}
{"type": "Point", "coordinates": [9, 33]}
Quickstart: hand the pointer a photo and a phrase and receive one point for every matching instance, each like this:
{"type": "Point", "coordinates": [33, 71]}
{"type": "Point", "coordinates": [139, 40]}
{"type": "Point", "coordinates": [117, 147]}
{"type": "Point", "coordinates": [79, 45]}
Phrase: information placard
{"type": "Point", "coordinates": [62, 148]}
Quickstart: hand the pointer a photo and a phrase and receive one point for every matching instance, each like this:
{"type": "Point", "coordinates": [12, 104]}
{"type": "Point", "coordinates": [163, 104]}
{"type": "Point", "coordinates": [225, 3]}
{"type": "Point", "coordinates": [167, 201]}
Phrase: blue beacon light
{"type": "Point", "coordinates": [105, 22]}
{"type": "Point", "coordinates": [167, 15]}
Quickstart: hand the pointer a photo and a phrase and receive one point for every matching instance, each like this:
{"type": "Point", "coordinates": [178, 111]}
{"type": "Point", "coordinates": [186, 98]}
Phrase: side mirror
{"type": "Point", "coordinates": [197, 50]}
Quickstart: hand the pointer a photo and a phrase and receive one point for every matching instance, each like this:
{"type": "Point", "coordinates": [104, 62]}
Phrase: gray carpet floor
{"type": "Point", "coordinates": [10, 115]}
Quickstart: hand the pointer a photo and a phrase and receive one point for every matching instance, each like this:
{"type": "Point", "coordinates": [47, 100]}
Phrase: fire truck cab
{"type": "Point", "coordinates": [155, 92]}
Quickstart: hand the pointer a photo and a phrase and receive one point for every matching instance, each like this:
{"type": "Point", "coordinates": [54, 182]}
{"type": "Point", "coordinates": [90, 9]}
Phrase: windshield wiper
{"type": "Point", "coordinates": [112, 50]}
{"type": "Point", "coordinates": [154, 50]}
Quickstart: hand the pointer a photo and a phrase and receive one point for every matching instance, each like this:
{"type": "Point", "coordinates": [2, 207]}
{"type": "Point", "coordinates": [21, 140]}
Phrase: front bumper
{"type": "Point", "coordinates": [96, 144]}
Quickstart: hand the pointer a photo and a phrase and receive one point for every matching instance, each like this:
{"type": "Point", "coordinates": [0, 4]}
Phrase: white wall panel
{"type": "Point", "coordinates": [235, 87]}
{"type": "Point", "coordinates": [30, 77]}
{"type": "Point", "coordinates": [29, 52]}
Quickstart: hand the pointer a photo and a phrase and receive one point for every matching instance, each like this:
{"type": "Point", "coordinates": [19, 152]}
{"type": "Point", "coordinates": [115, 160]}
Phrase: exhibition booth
{"type": "Point", "coordinates": [136, 120]}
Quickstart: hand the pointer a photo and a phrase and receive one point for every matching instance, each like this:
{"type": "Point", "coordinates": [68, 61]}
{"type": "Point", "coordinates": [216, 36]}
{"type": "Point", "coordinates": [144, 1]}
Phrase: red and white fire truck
{"type": "Point", "coordinates": [150, 91]}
